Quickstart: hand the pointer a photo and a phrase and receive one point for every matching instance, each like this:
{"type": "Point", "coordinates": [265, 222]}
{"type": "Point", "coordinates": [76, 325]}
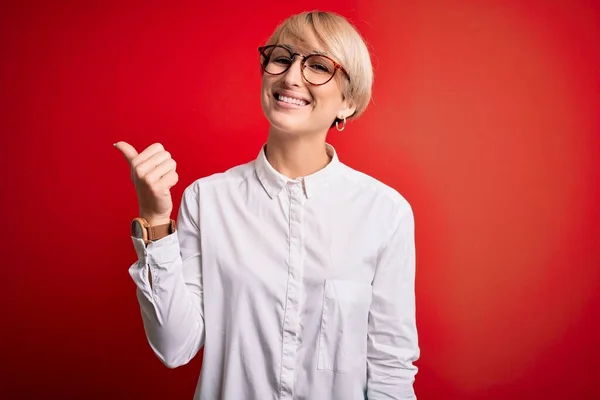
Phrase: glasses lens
{"type": "Point", "coordinates": [276, 60]}
{"type": "Point", "coordinates": [318, 69]}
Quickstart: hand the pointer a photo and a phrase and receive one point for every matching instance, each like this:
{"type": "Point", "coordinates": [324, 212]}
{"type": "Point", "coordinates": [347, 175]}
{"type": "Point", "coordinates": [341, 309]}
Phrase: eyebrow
{"type": "Point", "coordinates": [319, 52]}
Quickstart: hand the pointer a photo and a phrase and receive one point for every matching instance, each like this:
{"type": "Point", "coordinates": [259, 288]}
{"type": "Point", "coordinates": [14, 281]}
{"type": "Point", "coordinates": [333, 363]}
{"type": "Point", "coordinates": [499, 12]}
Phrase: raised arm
{"type": "Point", "coordinates": [168, 271]}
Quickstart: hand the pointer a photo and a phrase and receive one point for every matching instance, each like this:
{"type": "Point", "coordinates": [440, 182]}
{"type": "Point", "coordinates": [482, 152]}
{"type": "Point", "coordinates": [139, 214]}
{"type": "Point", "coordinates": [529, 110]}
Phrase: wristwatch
{"type": "Point", "coordinates": [141, 229]}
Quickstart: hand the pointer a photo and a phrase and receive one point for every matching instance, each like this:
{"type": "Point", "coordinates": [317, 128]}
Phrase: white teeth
{"type": "Point", "coordinates": [291, 100]}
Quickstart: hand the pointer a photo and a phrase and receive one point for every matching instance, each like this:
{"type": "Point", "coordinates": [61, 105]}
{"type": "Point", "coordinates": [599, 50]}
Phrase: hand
{"type": "Point", "coordinates": [153, 175]}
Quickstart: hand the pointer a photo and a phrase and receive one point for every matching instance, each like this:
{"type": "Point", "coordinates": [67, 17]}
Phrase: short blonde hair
{"type": "Point", "coordinates": [342, 41]}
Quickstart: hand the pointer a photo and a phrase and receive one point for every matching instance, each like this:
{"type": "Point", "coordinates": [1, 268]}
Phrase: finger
{"type": "Point", "coordinates": [146, 167]}
{"type": "Point", "coordinates": [170, 179]}
{"type": "Point", "coordinates": [147, 153]}
{"type": "Point", "coordinates": [161, 170]}
{"type": "Point", "coordinates": [128, 151]}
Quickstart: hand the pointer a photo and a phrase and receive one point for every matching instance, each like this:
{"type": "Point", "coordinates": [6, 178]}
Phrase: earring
{"type": "Point", "coordinates": [337, 124]}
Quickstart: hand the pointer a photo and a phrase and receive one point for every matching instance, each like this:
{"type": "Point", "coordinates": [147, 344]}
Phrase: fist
{"type": "Point", "coordinates": [153, 175]}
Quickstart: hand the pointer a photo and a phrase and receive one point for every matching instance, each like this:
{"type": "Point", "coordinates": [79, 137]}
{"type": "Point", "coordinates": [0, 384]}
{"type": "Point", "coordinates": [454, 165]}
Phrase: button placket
{"type": "Point", "coordinates": [294, 292]}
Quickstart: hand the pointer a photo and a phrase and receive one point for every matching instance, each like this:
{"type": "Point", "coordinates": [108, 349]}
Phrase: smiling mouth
{"type": "Point", "coordinates": [290, 100]}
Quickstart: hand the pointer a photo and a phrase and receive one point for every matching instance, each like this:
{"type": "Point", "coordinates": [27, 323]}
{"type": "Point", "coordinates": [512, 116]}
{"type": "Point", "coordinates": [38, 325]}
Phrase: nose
{"type": "Point", "coordinates": [293, 76]}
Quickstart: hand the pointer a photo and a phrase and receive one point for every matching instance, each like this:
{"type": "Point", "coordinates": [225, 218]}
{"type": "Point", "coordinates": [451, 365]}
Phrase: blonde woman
{"type": "Point", "coordinates": [294, 272]}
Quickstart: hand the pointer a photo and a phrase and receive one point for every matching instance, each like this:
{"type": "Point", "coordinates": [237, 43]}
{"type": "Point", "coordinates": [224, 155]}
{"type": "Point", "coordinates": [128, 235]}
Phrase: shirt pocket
{"type": "Point", "coordinates": [344, 324]}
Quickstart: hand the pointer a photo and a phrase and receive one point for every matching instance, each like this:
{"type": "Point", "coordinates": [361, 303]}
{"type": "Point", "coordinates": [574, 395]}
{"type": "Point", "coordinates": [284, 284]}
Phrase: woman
{"type": "Point", "coordinates": [294, 272]}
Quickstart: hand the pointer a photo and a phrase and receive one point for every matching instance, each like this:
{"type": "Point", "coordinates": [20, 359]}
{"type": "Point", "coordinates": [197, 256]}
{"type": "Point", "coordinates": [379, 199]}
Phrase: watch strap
{"type": "Point", "coordinates": [160, 231]}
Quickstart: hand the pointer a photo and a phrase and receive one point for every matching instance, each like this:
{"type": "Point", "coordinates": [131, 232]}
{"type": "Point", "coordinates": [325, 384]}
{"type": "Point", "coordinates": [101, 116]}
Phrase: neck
{"type": "Point", "coordinates": [296, 157]}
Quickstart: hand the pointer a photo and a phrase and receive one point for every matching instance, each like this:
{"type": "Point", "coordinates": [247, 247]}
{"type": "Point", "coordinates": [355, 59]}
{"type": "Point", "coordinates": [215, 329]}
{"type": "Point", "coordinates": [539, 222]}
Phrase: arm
{"type": "Point", "coordinates": [392, 344]}
{"type": "Point", "coordinates": [172, 305]}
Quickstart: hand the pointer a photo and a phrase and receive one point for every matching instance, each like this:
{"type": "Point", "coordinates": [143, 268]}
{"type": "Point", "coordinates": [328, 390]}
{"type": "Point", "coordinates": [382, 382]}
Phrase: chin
{"type": "Point", "coordinates": [282, 122]}
{"type": "Point", "coordinates": [285, 126]}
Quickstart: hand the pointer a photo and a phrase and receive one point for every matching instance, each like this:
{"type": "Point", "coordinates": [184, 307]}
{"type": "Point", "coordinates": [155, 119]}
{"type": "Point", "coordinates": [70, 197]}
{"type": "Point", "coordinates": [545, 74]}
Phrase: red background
{"type": "Point", "coordinates": [485, 117]}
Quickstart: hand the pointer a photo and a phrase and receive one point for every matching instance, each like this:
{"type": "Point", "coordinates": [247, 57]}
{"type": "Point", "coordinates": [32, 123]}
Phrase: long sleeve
{"type": "Point", "coordinates": [392, 345]}
{"type": "Point", "coordinates": [172, 307]}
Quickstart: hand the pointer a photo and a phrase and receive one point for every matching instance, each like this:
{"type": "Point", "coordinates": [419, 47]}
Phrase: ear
{"type": "Point", "coordinates": [348, 110]}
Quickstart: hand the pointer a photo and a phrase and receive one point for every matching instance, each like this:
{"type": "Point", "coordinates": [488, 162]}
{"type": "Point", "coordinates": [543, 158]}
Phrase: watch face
{"type": "Point", "coordinates": [136, 229]}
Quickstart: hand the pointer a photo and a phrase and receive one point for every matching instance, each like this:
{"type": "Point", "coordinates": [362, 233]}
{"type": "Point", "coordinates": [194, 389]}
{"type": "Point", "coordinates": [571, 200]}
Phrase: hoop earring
{"type": "Point", "coordinates": [337, 126]}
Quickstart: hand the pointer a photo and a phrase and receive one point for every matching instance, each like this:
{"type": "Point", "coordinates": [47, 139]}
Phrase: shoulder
{"type": "Point", "coordinates": [382, 193]}
{"type": "Point", "coordinates": [233, 176]}
{"type": "Point", "coordinates": [393, 211]}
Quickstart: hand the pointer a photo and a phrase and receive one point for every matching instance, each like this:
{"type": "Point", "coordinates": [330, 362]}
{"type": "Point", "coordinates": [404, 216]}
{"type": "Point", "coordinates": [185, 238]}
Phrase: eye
{"type": "Point", "coordinates": [281, 60]}
{"type": "Point", "coordinates": [319, 67]}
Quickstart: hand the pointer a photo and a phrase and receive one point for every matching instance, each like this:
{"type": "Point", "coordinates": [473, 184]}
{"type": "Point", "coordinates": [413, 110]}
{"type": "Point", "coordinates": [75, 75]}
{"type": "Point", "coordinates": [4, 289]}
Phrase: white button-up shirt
{"type": "Point", "coordinates": [296, 288]}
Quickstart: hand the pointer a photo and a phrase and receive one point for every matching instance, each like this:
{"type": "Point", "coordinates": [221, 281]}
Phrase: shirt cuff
{"type": "Point", "coordinates": [161, 251]}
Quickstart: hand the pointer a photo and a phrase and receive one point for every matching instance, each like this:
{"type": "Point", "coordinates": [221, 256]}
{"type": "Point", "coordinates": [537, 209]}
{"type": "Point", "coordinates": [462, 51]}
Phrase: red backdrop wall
{"type": "Point", "coordinates": [485, 116]}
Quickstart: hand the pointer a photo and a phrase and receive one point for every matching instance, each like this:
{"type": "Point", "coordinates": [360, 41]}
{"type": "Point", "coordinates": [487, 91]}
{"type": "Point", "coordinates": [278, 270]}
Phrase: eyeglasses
{"type": "Point", "coordinates": [317, 69]}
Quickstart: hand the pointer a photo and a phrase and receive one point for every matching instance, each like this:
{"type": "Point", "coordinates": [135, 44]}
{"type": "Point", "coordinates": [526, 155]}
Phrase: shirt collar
{"type": "Point", "coordinates": [273, 181]}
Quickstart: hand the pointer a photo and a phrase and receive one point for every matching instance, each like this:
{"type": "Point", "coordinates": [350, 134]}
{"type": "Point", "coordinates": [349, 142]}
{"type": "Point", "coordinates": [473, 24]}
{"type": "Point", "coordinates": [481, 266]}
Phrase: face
{"type": "Point", "coordinates": [292, 104]}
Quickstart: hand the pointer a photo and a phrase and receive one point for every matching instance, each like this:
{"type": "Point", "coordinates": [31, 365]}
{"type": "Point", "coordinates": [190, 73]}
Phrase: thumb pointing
{"type": "Point", "coordinates": [127, 150]}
